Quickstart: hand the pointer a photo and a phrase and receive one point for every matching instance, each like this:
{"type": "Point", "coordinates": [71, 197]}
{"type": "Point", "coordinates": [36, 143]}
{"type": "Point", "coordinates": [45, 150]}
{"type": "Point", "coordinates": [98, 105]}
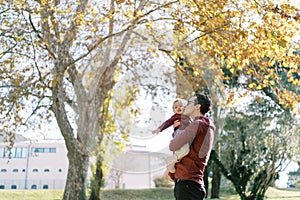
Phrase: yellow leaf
{"type": "Point", "coordinates": [252, 85]}
{"type": "Point", "coordinates": [258, 99]}
{"type": "Point", "coordinates": [232, 60]}
{"type": "Point", "coordinates": [149, 25]}
{"type": "Point", "coordinates": [246, 61]}
{"type": "Point", "coordinates": [230, 98]}
{"type": "Point", "coordinates": [287, 39]}
{"type": "Point", "coordinates": [105, 20]}
{"type": "Point", "coordinates": [196, 73]}
{"type": "Point", "coordinates": [139, 13]}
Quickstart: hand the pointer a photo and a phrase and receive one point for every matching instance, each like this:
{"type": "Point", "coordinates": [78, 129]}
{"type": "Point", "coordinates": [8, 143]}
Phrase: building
{"type": "Point", "coordinates": [44, 165]}
{"type": "Point", "coordinates": [34, 165]}
{"type": "Point", "coordinates": [136, 168]}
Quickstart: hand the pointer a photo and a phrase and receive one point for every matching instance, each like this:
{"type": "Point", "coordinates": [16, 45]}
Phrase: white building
{"type": "Point", "coordinates": [34, 165]}
{"type": "Point", "coordinates": [136, 169]}
{"type": "Point", "coordinates": [44, 165]}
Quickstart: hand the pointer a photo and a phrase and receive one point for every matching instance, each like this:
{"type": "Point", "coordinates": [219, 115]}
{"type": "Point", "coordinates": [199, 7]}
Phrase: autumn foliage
{"type": "Point", "coordinates": [254, 43]}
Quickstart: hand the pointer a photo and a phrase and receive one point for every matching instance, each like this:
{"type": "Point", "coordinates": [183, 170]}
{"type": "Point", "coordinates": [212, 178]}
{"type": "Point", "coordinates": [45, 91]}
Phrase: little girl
{"type": "Point", "coordinates": [184, 122]}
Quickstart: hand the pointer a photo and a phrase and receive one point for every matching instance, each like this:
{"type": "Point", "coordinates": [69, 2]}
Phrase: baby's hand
{"type": "Point", "coordinates": [156, 131]}
{"type": "Point", "coordinates": [176, 123]}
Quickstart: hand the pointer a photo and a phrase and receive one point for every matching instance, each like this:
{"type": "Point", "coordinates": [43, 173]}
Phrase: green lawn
{"type": "Point", "coordinates": [291, 194]}
{"type": "Point", "coordinates": [31, 194]}
{"type": "Point", "coordinates": [142, 194]}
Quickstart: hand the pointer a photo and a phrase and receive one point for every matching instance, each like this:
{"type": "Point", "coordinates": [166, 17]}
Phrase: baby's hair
{"type": "Point", "coordinates": [183, 101]}
{"type": "Point", "coordinates": [177, 100]}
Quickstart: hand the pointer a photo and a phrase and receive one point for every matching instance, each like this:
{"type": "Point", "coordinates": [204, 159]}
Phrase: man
{"type": "Point", "coordinates": [189, 184]}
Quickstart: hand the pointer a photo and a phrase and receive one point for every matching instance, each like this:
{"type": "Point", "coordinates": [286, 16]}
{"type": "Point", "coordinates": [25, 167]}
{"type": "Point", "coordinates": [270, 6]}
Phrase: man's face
{"type": "Point", "coordinates": [190, 107]}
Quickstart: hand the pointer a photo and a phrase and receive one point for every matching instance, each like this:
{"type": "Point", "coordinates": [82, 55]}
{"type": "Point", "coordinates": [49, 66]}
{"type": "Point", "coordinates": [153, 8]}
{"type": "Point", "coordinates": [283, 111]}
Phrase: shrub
{"type": "Point", "coordinates": [163, 182]}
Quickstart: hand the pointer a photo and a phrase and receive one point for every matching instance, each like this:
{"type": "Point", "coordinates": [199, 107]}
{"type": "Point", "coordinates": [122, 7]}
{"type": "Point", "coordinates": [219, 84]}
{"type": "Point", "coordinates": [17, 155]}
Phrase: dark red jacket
{"type": "Point", "coordinates": [200, 135]}
{"type": "Point", "coordinates": [184, 122]}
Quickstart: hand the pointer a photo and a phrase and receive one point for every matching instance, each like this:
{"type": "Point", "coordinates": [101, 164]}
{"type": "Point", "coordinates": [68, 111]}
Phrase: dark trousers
{"type": "Point", "coordinates": [188, 190]}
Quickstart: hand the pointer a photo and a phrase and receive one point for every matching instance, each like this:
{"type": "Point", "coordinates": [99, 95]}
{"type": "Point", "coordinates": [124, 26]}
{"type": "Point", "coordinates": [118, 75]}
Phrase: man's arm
{"type": "Point", "coordinates": [187, 136]}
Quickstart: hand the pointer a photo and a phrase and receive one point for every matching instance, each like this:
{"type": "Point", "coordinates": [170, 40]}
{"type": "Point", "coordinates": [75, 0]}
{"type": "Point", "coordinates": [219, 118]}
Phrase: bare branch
{"type": "Point", "coordinates": [11, 86]}
{"type": "Point", "coordinates": [36, 109]}
{"type": "Point", "coordinates": [207, 33]}
{"type": "Point", "coordinates": [129, 28]}
{"type": "Point", "coordinates": [7, 51]}
{"type": "Point", "coordinates": [41, 38]}
{"type": "Point", "coordinates": [4, 11]}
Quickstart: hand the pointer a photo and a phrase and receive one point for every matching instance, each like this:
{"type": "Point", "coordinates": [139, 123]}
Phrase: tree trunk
{"type": "Point", "coordinates": [205, 179]}
{"type": "Point", "coordinates": [97, 180]}
{"type": "Point", "coordinates": [206, 175]}
{"type": "Point", "coordinates": [78, 156]}
{"type": "Point", "coordinates": [216, 182]}
{"type": "Point", "coordinates": [77, 173]}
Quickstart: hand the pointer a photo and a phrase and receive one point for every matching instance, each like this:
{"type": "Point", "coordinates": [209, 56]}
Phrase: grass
{"type": "Point", "coordinates": [277, 194]}
{"type": "Point", "coordinates": [31, 194]}
{"type": "Point", "coordinates": [141, 194]}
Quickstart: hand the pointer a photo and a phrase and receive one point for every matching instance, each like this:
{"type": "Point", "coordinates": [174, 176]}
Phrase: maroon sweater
{"type": "Point", "coordinates": [200, 135]}
{"type": "Point", "coordinates": [184, 122]}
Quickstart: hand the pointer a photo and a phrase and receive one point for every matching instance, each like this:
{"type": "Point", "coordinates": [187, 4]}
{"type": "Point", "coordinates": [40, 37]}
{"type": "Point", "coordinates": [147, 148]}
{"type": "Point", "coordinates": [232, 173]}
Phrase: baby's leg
{"type": "Point", "coordinates": [171, 161]}
{"type": "Point", "coordinates": [183, 151]}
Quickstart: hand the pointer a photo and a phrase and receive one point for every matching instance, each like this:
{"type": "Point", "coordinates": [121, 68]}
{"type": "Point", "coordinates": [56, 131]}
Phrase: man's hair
{"type": "Point", "coordinates": [204, 101]}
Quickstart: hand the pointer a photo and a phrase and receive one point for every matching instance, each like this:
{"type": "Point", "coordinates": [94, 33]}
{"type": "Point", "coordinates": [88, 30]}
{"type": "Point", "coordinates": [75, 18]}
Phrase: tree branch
{"type": "Point", "coordinates": [215, 158]}
{"type": "Point", "coordinates": [129, 28]}
{"type": "Point", "coordinates": [41, 38]}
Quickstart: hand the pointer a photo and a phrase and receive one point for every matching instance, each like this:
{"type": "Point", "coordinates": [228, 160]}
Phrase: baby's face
{"type": "Point", "coordinates": [178, 107]}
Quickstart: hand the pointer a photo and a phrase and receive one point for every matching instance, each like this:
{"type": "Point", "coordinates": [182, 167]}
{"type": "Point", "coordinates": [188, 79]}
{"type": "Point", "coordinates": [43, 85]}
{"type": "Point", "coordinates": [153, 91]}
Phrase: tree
{"type": "Point", "coordinates": [114, 133]}
{"type": "Point", "coordinates": [249, 44]}
{"type": "Point", "coordinates": [60, 58]}
{"type": "Point", "coordinates": [242, 40]}
{"type": "Point", "coordinates": [255, 143]}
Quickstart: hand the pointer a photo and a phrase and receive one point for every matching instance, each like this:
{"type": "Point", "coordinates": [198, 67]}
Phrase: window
{"type": "Point", "coordinates": [15, 170]}
{"type": "Point", "coordinates": [18, 152]}
{"type": "Point", "coordinates": [44, 150]}
{"type": "Point", "coordinates": [52, 150]}
{"type": "Point", "coordinates": [2, 152]}
{"type": "Point", "coordinates": [3, 170]}
{"type": "Point", "coordinates": [45, 187]}
{"type": "Point", "coordinates": [39, 150]}
{"type": "Point", "coordinates": [33, 187]}
{"type": "Point", "coordinates": [23, 170]}
{"type": "Point", "coordinates": [46, 170]}
{"type": "Point", "coordinates": [2, 187]}
{"type": "Point", "coordinates": [13, 187]}
{"type": "Point", "coordinates": [35, 170]}
{"type": "Point", "coordinates": [59, 170]}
